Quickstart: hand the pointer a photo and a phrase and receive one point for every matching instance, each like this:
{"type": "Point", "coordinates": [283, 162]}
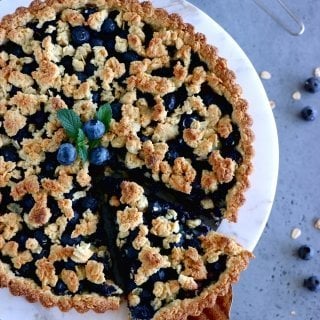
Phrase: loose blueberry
{"type": "Point", "coordinates": [306, 252]}
{"type": "Point", "coordinates": [80, 35]}
{"type": "Point", "coordinates": [309, 113]}
{"type": "Point", "coordinates": [108, 26]}
{"type": "Point", "coordinates": [67, 154]}
{"type": "Point", "coordinates": [88, 11]}
{"type": "Point", "coordinates": [9, 153]}
{"type": "Point", "coordinates": [94, 129]}
{"type": "Point", "coordinates": [312, 283]}
{"type": "Point", "coordinates": [99, 156]}
{"type": "Point", "coordinates": [96, 42]}
{"type": "Point", "coordinates": [89, 202]}
{"type": "Point", "coordinates": [312, 84]}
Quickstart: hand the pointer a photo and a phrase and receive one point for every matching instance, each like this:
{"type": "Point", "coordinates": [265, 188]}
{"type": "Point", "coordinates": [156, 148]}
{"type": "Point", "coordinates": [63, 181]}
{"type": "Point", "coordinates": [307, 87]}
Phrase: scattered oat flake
{"type": "Point", "coordinates": [293, 313]}
{"type": "Point", "coordinates": [296, 95]}
{"type": "Point", "coordinates": [295, 233]}
{"type": "Point", "coordinates": [317, 224]}
{"type": "Point", "coordinates": [272, 104]}
{"type": "Point", "coordinates": [316, 72]}
{"type": "Point", "coordinates": [266, 75]}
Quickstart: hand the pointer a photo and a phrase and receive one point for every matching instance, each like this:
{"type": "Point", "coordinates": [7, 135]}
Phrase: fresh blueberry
{"type": "Point", "coordinates": [88, 11]}
{"type": "Point", "coordinates": [170, 101]}
{"type": "Point", "coordinates": [142, 312]}
{"type": "Point", "coordinates": [312, 283]}
{"type": "Point", "coordinates": [14, 90]}
{"type": "Point", "coordinates": [99, 156]}
{"type": "Point", "coordinates": [94, 129]}
{"type": "Point", "coordinates": [306, 252]}
{"type": "Point", "coordinates": [308, 113]}
{"type": "Point", "coordinates": [27, 202]}
{"type": "Point", "coordinates": [131, 253]}
{"type": "Point", "coordinates": [89, 69]}
{"type": "Point", "coordinates": [39, 119]}
{"type": "Point", "coordinates": [186, 120]}
{"type": "Point", "coordinates": [66, 61]}
{"type": "Point", "coordinates": [312, 84]}
{"type": "Point", "coordinates": [232, 154]}
{"type": "Point", "coordinates": [171, 155]}
{"type": "Point", "coordinates": [130, 56]}
{"type": "Point", "coordinates": [163, 72]}
{"type": "Point", "coordinates": [158, 276]}
{"type": "Point", "coordinates": [29, 67]}
{"type": "Point", "coordinates": [80, 35]}
{"type": "Point", "coordinates": [22, 134]}
{"type": "Point", "coordinates": [15, 49]}
{"type": "Point", "coordinates": [96, 96]}
{"type": "Point", "coordinates": [116, 110]}
{"type": "Point", "coordinates": [66, 240]}
{"type": "Point", "coordinates": [108, 26]}
{"type": "Point", "coordinates": [27, 271]}
{"type": "Point", "coordinates": [89, 202]}
{"type": "Point", "coordinates": [60, 288]}
{"type": "Point", "coordinates": [67, 154]}
{"type": "Point", "coordinates": [41, 237]}
{"type": "Point", "coordinates": [96, 42]}
{"type": "Point", "coordinates": [82, 76]}
{"type": "Point", "coordinates": [9, 153]}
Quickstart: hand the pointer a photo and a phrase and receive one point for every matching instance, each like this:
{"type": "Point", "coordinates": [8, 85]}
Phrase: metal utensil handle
{"type": "Point", "coordinates": [296, 19]}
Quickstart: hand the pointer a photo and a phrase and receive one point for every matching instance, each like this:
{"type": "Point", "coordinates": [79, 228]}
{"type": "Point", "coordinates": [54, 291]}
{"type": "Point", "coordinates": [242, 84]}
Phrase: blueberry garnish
{"type": "Point", "coordinates": [108, 26]}
{"type": "Point", "coordinates": [80, 35]}
{"type": "Point", "coordinates": [306, 252]}
{"type": "Point", "coordinates": [67, 154]}
{"type": "Point", "coordinates": [94, 129]}
{"type": "Point", "coordinates": [312, 283]}
{"type": "Point", "coordinates": [312, 85]}
{"type": "Point", "coordinates": [308, 113]}
{"type": "Point", "coordinates": [99, 156]}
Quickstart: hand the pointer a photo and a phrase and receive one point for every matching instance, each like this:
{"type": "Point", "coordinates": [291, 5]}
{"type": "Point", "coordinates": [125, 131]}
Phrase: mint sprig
{"type": "Point", "coordinates": [81, 145]}
{"type": "Point", "coordinates": [104, 114]}
{"type": "Point", "coordinates": [72, 124]}
{"type": "Point", "coordinates": [70, 121]}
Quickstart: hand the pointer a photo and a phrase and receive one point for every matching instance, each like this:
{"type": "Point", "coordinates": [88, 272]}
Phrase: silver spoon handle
{"type": "Point", "coordinates": [295, 18]}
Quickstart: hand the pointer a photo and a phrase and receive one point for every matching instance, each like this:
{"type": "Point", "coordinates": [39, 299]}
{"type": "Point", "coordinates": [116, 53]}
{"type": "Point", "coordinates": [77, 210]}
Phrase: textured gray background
{"type": "Point", "coordinates": [272, 286]}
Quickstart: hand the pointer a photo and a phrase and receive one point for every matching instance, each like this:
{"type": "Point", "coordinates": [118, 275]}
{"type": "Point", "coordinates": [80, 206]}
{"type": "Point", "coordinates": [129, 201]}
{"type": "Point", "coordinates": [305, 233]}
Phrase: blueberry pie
{"type": "Point", "coordinates": [124, 141]}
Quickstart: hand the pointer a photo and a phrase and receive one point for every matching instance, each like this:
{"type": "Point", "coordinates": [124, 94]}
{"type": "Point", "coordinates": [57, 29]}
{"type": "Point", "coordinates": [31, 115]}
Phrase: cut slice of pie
{"type": "Point", "coordinates": [172, 264]}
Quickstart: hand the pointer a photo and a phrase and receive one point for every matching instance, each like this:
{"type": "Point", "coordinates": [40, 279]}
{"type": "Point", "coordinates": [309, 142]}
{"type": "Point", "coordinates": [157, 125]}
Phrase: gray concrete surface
{"type": "Point", "coordinates": [272, 287]}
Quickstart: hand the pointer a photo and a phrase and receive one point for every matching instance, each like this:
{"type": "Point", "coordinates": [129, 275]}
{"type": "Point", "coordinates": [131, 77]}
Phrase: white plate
{"type": "Point", "coordinates": [254, 214]}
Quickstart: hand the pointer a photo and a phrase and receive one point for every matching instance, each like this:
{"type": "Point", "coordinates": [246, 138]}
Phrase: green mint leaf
{"type": "Point", "coordinates": [70, 121]}
{"type": "Point", "coordinates": [104, 114]}
{"type": "Point", "coordinates": [94, 143]}
{"type": "Point", "coordinates": [82, 147]}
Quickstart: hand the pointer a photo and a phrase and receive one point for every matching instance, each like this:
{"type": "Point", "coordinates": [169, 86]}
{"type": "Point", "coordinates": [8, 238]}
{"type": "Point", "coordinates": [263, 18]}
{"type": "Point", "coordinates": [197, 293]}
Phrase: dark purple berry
{"type": "Point", "coordinates": [308, 114]}
{"type": "Point", "coordinates": [312, 283]}
{"type": "Point", "coordinates": [312, 85]}
{"type": "Point", "coordinates": [305, 252]}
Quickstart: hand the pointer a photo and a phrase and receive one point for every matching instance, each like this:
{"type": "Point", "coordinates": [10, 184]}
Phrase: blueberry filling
{"type": "Point", "coordinates": [22, 134]}
{"type": "Point", "coordinates": [66, 61]}
{"type": "Point", "coordinates": [60, 288]}
{"type": "Point", "coordinates": [148, 32]}
{"type": "Point", "coordinates": [9, 153]}
{"type": "Point", "coordinates": [27, 202]}
{"type": "Point", "coordinates": [14, 90]}
{"type": "Point", "coordinates": [86, 12]}
{"type": "Point", "coordinates": [13, 48]}
{"type": "Point", "coordinates": [39, 119]}
{"type": "Point", "coordinates": [29, 67]}
{"type": "Point", "coordinates": [232, 140]}
{"type": "Point", "coordinates": [195, 61]}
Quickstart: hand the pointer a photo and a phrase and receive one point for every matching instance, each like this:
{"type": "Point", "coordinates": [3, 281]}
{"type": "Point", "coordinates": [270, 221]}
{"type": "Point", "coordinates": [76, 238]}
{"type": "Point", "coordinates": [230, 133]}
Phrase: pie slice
{"type": "Point", "coordinates": [172, 263]}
